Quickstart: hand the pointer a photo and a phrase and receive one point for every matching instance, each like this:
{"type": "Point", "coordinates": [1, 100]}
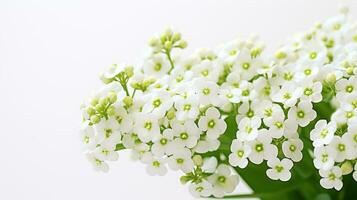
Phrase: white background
{"type": "Point", "coordinates": [50, 55]}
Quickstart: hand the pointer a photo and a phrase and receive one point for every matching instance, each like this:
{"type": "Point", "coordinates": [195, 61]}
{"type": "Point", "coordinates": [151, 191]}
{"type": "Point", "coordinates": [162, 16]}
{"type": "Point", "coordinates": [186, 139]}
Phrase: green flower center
{"type": "Point", "coordinates": [206, 91]}
{"type": "Point", "coordinates": [324, 158]}
{"type": "Point", "coordinates": [98, 162]}
{"type": "Point", "coordinates": [287, 95]}
{"type": "Point", "coordinates": [292, 148]}
{"type": "Point", "coordinates": [324, 133]}
{"type": "Point", "coordinates": [301, 114]}
{"type": "Point", "coordinates": [308, 91]}
{"type": "Point", "coordinates": [307, 72]}
{"type": "Point", "coordinates": [248, 129]}
{"type": "Point", "coordinates": [86, 139]}
{"type": "Point", "coordinates": [156, 103]}
{"type": "Point", "coordinates": [199, 189]}
{"type": "Point", "coordinates": [163, 141]}
{"type": "Point", "coordinates": [246, 66]}
{"type": "Point", "coordinates": [349, 114]}
{"type": "Point", "coordinates": [245, 92]}
{"type": "Point", "coordinates": [179, 160]}
{"type": "Point", "coordinates": [108, 133]}
{"type": "Point", "coordinates": [156, 164]}
{"type": "Point", "coordinates": [279, 125]}
{"type": "Point", "coordinates": [288, 76]}
{"type": "Point", "coordinates": [148, 125]}
{"type": "Point", "coordinates": [349, 88]}
{"type": "Point", "coordinates": [259, 147]}
{"type": "Point", "coordinates": [313, 55]}
{"type": "Point", "coordinates": [240, 153]}
{"type": "Point", "coordinates": [355, 38]}
{"type": "Point", "coordinates": [268, 112]}
{"type": "Point", "coordinates": [184, 136]}
{"type": "Point", "coordinates": [157, 67]}
{"type": "Point", "coordinates": [332, 177]}
{"type": "Point", "coordinates": [233, 52]}
{"type": "Point", "coordinates": [341, 147]}
{"type": "Point", "coordinates": [187, 107]}
{"type": "Point", "coordinates": [279, 168]}
{"type": "Point", "coordinates": [221, 179]}
{"type": "Point", "coordinates": [211, 123]}
{"type": "Point", "coordinates": [105, 152]}
{"type": "Point", "coordinates": [250, 113]}
{"type": "Point", "coordinates": [205, 72]}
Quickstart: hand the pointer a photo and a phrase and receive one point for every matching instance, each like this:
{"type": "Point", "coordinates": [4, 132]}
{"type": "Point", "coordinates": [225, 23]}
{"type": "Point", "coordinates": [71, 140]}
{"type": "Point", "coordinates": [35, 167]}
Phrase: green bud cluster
{"type": "Point", "coordinates": [101, 108]}
{"type": "Point", "coordinates": [167, 41]}
{"type": "Point", "coordinates": [143, 85]}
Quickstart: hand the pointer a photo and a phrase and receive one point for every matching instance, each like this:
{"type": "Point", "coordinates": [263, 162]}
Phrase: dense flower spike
{"type": "Point", "coordinates": [175, 111]}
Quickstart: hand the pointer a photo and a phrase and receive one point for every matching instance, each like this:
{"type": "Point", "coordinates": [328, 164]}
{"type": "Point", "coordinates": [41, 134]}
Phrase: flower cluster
{"type": "Point", "coordinates": [217, 110]}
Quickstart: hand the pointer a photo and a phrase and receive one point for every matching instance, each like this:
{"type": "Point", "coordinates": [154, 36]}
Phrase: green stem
{"type": "Point", "coordinates": [168, 54]}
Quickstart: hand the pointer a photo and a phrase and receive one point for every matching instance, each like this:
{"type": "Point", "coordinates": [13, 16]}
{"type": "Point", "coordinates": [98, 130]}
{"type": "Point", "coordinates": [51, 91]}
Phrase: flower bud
{"type": "Point", "coordinates": [349, 70]}
{"type": "Point", "coordinates": [168, 32]}
{"type": "Point", "coordinates": [170, 114]}
{"type": "Point", "coordinates": [112, 97]}
{"type": "Point", "coordinates": [168, 45]}
{"type": "Point", "coordinates": [331, 78]}
{"type": "Point", "coordinates": [280, 55]}
{"type": "Point", "coordinates": [129, 71]}
{"type": "Point", "coordinates": [95, 119]}
{"type": "Point", "coordinates": [176, 37]}
{"type": "Point", "coordinates": [128, 101]}
{"type": "Point", "coordinates": [346, 168]}
{"type": "Point", "coordinates": [184, 179]}
{"type": "Point", "coordinates": [94, 101]}
{"type": "Point", "coordinates": [90, 111]}
{"type": "Point", "coordinates": [197, 160]}
{"type": "Point", "coordinates": [153, 42]}
{"type": "Point", "coordinates": [111, 111]}
{"type": "Point", "coordinates": [182, 44]}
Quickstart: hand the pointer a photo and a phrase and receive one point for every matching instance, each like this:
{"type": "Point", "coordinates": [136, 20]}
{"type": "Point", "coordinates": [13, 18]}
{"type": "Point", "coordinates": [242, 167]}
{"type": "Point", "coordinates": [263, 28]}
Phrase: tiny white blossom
{"type": "Point", "coordinates": [223, 181]}
{"type": "Point", "coordinates": [248, 128]}
{"type": "Point", "coordinates": [181, 159]}
{"type": "Point", "coordinates": [212, 124]}
{"type": "Point", "coordinates": [279, 169]}
{"type": "Point", "coordinates": [240, 152]}
{"type": "Point", "coordinates": [324, 157]}
{"type": "Point", "coordinates": [292, 149]}
{"type": "Point", "coordinates": [331, 178]}
{"type": "Point", "coordinates": [323, 133]}
{"type": "Point", "coordinates": [302, 113]}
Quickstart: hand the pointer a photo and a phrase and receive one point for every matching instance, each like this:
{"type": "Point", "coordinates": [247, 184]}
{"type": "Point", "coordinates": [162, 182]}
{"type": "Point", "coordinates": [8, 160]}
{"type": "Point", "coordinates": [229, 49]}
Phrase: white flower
{"type": "Point", "coordinates": [342, 148]}
{"type": "Point", "coordinates": [187, 134]}
{"type": "Point", "coordinates": [162, 143]}
{"type": "Point", "coordinates": [345, 87]}
{"type": "Point", "coordinates": [187, 108]}
{"type": "Point", "coordinates": [147, 127]}
{"type": "Point", "coordinates": [157, 65]}
{"type": "Point", "coordinates": [222, 181]}
{"type": "Point", "coordinates": [331, 178]}
{"type": "Point", "coordinates": [155, 166]}
{"type": "Point", "coordinates": [181, 159]}
{"type": "Point", "coordinates": [106, 152]}
{"type": "Point", "coordinates": [209, 164]}
{"type": "Point", "coordinates": [159, 102]}
{"type": "Point", "coordinates": [324, 157]}
{"type": "Point", "coordinates": [312, 92]}
{"type": "Point", "coordinates": [262, 149]}
{"type": "Point", "coordinates": [246, 91]}
{"type": "Point", "coordinates": [279, 169]}
{"type": "Point", "coordinates": [124, 120]}
{"type": "Point", "coordinates": [202, 189]}
{"type": "Point", "coordinates": [87, 136]}
{"type": "Point", "coordinates": [292, 149]}
{"type": "Point", "coordinates": [351, 138]}
{"type": "Point", "coordinates": [212, 124]}
{"type": "Point", "coordinates": [303, 113]}
{"type": "Point", "coordinates": [323, 133]}
{"type": "Point", "coordinates": [206, 144]}
{"type": "Point", "coordinates": [98, 165]}
{"type": "Point", "coordinates": [207, 92]}
{"type": "Point", "coordinates": [108, 131]}
{"type": "Point", "coordinates": [240, 152]}
{"type": "Point", "coordinates": [288, 95]}
{"type": "Point", "coordinates": [248, 128]}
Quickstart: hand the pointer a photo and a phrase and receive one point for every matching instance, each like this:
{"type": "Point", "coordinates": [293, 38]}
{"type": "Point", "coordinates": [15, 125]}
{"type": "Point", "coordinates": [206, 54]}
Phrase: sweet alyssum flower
{"type": "Point", "coordinates": [219, 112]}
